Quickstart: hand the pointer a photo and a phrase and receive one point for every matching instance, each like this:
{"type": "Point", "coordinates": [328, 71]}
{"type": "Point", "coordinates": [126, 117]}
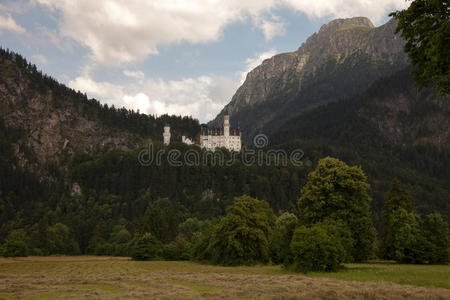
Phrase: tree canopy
{"type": "Point", "coordinates": [337, 192]}
{"type": "Point", "coordinates": [425, 26]}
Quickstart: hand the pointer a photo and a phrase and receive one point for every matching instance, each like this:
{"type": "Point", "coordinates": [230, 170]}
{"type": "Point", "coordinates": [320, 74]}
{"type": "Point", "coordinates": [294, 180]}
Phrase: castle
{"type": "Point", "coordinates": [212, 138]}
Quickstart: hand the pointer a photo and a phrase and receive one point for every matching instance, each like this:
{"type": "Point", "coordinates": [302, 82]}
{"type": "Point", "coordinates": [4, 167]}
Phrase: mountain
{"type": "Point", "coordinates": [339, 61]}
{"type": "Point", "coordinates": [52, 122]}
{"type": "Point", "coordinates": [392, 130]}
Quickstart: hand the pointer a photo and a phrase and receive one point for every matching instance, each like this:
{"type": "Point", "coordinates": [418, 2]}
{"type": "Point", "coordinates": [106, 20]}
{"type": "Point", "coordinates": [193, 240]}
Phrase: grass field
{"type": "Point", "coordinates": [116, 278]}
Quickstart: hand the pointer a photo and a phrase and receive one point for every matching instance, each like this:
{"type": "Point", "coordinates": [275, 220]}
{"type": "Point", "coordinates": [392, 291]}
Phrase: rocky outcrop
{"type": "Point", "coordinates": [52, 127]}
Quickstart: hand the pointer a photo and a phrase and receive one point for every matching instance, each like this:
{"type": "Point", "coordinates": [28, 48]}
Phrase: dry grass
{"type": "Point", "coordinates": [116, 278]}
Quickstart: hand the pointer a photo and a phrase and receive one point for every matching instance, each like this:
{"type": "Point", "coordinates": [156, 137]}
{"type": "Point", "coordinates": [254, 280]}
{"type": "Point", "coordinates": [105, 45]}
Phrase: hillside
{"type": "Point", "coordinates": [392, 130]}
{"type": "Point", "coordinates": [341, 60]}
{"type": "Point", "coordinates": [66, 159]}
{"type": "Point", "coordinates": [53, 122]}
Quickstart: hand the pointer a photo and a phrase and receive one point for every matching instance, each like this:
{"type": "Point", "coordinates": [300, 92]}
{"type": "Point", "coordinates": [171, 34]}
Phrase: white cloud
{"type": "Point", "coordinates": [374, 10]}
{"type": "Point", "coordinates": [59, 42]}
{"type": "Point", "coordinates": [253, 62]}
{"type": "Point", "coordinates": [139, 75]}
{"type": "Point", "coordinates": [8, 23]}
{"type": "Point", "coordinates": [202, 97]}
{"type": "Point", "coordinates": [39, 58]}
{"type": "Point", "coordinates": [272, 29]}
{"type": "Point", "coordinates": [128, 31]}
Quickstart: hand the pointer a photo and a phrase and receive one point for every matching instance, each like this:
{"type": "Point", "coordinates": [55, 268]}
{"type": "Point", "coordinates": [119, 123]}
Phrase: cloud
{"type": "Point", "coordinates": [120, 32]}
{"type": "Point", "coordinates": [253, 62]}
{"type": "Point", "coordinates": [272, 29]}
{"type": "Point", "coordinates": [139, 75]}
{"type": "Point", "coordinates": [8, 23]}
{"type": "Point", "coordinates": [374, 10]}
{"type": "Point", "coordinates": [59, 42]}
{"type": "Point", "coordinates": [39, 58]}
{"type": "Point", "coordinates": [201, 97]}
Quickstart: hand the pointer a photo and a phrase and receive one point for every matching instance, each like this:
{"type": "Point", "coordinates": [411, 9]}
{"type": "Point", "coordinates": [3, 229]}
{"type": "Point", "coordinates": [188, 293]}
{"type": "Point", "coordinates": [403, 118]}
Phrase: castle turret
{"type": "Point", "coordinates": [226, 125]}
{"type": "Point", "coordinates": [166, 135]}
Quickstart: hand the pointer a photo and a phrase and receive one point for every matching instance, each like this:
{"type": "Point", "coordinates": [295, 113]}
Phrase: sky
{"type": "Point", "coordinates": [182, 57]}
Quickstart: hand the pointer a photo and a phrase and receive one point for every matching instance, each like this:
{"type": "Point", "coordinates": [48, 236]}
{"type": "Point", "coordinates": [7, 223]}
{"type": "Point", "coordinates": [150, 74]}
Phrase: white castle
{"type": "Point", "coordinates": [212, 138]}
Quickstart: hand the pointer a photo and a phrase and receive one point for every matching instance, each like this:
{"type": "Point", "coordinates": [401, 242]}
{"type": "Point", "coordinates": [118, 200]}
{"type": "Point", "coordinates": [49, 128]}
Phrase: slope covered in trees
{"type": "Point", "coordinates": [392, 131]}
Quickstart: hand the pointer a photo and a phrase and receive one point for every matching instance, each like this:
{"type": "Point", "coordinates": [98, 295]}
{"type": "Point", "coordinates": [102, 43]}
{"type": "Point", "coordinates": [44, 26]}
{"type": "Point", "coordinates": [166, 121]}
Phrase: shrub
{"type": "Point", "coordinates": [14, 248]}
{"type": "Point", "coordinates": [317, 248]}
{"type": "Point", "coordinates": [435, 231]}
{"type": "Point", "coordinates": [147, 247]}
{"type": "Point", "coordinates": [282, 236]}
{"type": "Point", "coordinates": [241, 237]}
{"type": "Point", "coordinates": [16, 244]}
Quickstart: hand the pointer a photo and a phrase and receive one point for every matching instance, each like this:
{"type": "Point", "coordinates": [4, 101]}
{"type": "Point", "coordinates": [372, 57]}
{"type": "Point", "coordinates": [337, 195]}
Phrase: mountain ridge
{"type": "Point", "coordinates": [286, 84]}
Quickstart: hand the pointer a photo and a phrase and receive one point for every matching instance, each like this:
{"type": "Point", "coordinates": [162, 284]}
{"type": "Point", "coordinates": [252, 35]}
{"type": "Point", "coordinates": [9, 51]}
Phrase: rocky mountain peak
{"type": "Point", "coordinates": [278, 88]}
{"type": "Point", "coordinates": [339, 24]}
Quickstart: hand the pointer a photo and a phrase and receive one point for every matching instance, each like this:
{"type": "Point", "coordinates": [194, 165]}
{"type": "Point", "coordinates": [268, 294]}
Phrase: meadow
{"type": "Point", "coordinates": [115, 278]}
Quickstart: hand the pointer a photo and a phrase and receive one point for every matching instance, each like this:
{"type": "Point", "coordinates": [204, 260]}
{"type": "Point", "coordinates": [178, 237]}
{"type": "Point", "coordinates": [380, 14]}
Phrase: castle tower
{"type": "Point", "coordinates": [166, 135]}
{"type": "Point", "coordinates": [226, 125]}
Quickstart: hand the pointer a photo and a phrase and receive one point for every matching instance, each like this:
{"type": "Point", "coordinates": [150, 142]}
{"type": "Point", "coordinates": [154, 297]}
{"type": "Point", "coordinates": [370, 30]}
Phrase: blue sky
{"type": "Point", "coordinates": [184, 57]}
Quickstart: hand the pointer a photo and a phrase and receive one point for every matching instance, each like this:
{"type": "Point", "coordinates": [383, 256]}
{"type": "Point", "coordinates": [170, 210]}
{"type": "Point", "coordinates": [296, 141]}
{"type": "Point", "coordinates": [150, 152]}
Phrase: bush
{"type": "Point", "coordinates": [435, 231]}
{"type": "Point", "coordinates": [318, 248]}
{"type": "Point", "coordinates": [241, 237]}
{"type": "Point", "coordinates": [147, 248]}
{"type": "Point", "coordinates": [16, 244]}
{"type": "Point", "coordinates": [282, 236]}
{"type": "Point", "coordinates": [15, 248]}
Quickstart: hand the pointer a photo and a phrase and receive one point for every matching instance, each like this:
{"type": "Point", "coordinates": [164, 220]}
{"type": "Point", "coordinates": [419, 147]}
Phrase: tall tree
{"type": "Point", "coordinates": [425, 26]}
{"type": "Point", "coordinates": [396, 198]}
{"type": "Point", "coordinates": [244, 234]}
{"type": "Point", "coordinates": [337, 192]}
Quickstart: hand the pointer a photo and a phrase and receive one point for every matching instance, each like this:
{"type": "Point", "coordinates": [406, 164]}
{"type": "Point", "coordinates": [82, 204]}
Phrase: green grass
{"type": "Point", "coordinates": [201, 289]}
{"type": "Point", "coordinates": [420, 275]}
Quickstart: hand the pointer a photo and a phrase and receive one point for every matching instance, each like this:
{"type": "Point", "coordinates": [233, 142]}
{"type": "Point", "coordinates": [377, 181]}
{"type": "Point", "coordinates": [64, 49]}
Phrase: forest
{"type": "Point", "coordinates": [382, 199]}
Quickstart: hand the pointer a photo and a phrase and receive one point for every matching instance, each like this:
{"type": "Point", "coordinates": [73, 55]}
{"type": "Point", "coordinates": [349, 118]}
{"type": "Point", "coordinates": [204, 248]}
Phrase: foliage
{"type": "Point", "coordinates": [355, 131]}
{"type": "Point", "coordinates": [16, 244]}
{"type": "Point", "coordinates": [243, 235]}
{"type": "Point", "coordinates": [425, 26]}
{"type": "Point", "coordinates": [336, 192]}
{"type": "Point", "coordinates": [408, 238]}
{"type": "Point", "coordinates": [147, 247]}
{"type": "Point", "coordinates": [282, 236]}
{"type": "Point", "coordinates": [404, 241]}
{"type": "Point", "coordinates": [435, 231]}
{"type": "Point", "coordinates": [395, 198]}
{"type": "Point", "coordinates": [317, 248]}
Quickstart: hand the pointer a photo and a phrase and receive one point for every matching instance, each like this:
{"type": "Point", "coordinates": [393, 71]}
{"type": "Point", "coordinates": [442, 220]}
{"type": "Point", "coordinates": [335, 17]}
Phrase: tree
{"type": "Point", "coordinates": [337, 192]}
{"type": "Point", "coordinates": [59, 240]}
{"type": "Point", "coordinates": [16, 244]}
{"type": "Point", "coordinates": [318, 248]}
{"type": "Point", "coordinates": [425, 26]}
{"type": "Point", "coordinates": [395, 198]}
{"type": "Point", "coordinates": [435, 231]}
{"type": "Point", "coordinates": [147, 247]}
{"type": "Point", "coordinates": [282, 236]}
{"type": "Point", "coordinates": [243, 235]}
{"type": "Point", "coordinates": [405, 242]}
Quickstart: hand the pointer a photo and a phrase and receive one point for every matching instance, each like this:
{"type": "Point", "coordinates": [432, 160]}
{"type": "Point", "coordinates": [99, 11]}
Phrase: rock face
{"type": "Point", "coordinates": [51, 127]}
{"type": "Point", "coordinates": [340, 60]}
